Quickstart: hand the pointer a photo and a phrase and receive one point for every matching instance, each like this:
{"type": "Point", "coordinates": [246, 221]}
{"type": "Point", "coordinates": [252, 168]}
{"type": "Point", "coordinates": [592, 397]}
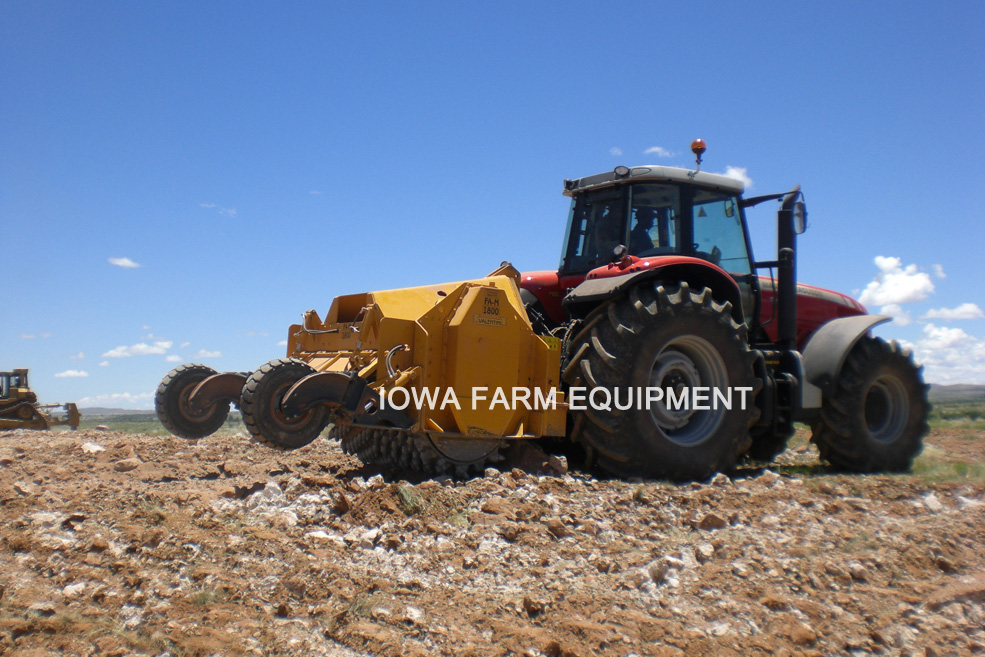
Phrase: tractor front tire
{"type": "Point", "coordinates": [171, 402]}
{"type": "Point", "coordinates": [673, 338]}
{"type": "Point", "coordinates": [876, 417]}
{"type": "Point", "coordinates": [260, 404]}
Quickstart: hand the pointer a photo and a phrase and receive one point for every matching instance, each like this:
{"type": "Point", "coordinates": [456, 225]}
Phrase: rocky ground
{"type": "Point", "coordinates": [121, 544]}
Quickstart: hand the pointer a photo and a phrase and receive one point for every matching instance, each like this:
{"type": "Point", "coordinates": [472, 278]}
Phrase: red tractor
{"type": "Point", "coordinates": [657, 286]}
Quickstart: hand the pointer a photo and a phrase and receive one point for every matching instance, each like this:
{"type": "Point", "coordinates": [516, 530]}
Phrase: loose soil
{"type": "Point", "coordinates": [127, 544]}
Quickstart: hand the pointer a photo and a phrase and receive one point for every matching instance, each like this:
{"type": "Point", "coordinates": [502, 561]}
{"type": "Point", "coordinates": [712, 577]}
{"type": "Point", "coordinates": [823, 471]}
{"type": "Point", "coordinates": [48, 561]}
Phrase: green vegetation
{"type": "Point", "coordinates": [410, 501]}
{"type": "Point", "coordinates": [934, 466]}
{"type": "Point", "coordinates": [146, 422]}
{"type": "Point", "coordinates": [204, 598]}
{"type": "Point", "coordinates": [964, 415]}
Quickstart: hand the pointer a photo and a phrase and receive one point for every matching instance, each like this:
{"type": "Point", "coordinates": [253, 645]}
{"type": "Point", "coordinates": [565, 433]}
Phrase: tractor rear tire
{"type": "Point", "coordinates": [171, 402]}
{"type": "Point", "coordinates": [876, 418]}
{"type": "Point", "coordinates": [665, 337]}
{"type": "Point", "coordinates": [262, 414]}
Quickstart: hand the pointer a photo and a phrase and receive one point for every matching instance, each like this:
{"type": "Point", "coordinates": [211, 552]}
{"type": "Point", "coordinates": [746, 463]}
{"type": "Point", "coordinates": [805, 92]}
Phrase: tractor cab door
{"type": "Point", "coordinates": [720, 236]}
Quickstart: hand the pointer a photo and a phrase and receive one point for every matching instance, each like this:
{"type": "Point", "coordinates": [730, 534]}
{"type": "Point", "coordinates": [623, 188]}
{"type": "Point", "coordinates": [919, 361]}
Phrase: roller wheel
{"type": "Point", "coordinates": [876, 418]}
{"type": "Point", "coordinates": [395, 449]}
{"type": "Point", "coordinates": [668, 337]}
{"type": "Point", "coordinates": [262, 414]}
{"type": "Point", "coordinates": [171, 402]}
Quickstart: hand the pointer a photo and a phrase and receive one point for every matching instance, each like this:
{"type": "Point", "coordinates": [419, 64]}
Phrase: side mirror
{"type": "Point", "coordinates": [799, 217]}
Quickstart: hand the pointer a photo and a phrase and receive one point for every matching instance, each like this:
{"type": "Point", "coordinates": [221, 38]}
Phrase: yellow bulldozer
{"type": "Point", "coordinates": [657, 347]}
{"type": "Point", "coordinates": [19, 407]}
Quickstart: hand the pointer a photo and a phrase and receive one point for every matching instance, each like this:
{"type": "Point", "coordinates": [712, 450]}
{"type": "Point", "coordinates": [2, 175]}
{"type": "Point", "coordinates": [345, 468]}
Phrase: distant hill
{"type": "Point", "coordinates": [109, 412]}
{"type": "Point", "coordinates": [956, 394]}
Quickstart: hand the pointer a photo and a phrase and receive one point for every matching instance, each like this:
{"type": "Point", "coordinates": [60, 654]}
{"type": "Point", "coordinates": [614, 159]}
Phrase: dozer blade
{"type": "Point", "coordinates": [71, 418]}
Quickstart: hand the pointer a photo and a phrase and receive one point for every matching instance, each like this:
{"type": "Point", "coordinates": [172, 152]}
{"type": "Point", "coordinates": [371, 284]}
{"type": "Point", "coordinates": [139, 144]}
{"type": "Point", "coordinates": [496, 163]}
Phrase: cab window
{"type": "Point", "coordinates": [718, 234]}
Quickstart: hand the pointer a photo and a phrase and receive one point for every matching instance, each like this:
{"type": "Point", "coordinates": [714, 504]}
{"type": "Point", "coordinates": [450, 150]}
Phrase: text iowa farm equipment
{"type": "Point", "coordinates": [664, 351]}
{"type": "Point", "coordinates": [19, 407]}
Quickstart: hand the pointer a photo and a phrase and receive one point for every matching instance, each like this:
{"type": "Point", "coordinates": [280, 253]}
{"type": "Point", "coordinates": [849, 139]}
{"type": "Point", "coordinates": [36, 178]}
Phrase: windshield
{"type": "Point", "coordinates": [648, 218]}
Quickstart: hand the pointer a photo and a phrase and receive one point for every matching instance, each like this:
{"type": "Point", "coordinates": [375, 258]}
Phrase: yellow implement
{"type": "Point", "coordinates": [453, 358]}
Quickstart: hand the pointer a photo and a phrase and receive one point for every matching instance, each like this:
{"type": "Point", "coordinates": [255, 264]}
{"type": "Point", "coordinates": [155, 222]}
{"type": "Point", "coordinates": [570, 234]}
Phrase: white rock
{"type": "Point", "coordinates": [932, 503]}
{"type": "Point", "coordinates": [768, 478]}
{"type": "Point", "coordinates": [704, 552]}
{"type": "Point", "coordinates": [92, 448]}
{"type": "Point", "coordinates": [73, 590]}
{"type": "Point", "coordinates": [968, 503]}
{"type": "Point", "coordinates": [368, 539]}
{"type": "Point", "coordinates": [721, 480]}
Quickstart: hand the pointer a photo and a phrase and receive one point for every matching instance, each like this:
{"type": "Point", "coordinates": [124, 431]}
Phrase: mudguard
{"type": "Point", "coordinates": [592, 292]}
{"type": "Point", "coordinates": [825, 352]}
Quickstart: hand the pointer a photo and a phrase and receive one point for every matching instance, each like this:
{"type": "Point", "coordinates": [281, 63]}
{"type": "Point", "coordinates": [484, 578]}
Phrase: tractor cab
{"type": "Point", "coordinates": [649, 217]}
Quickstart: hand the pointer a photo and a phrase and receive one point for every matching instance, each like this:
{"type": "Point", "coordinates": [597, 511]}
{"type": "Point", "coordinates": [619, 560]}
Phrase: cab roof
{"type": "Point", "coordinates": [621, 175]}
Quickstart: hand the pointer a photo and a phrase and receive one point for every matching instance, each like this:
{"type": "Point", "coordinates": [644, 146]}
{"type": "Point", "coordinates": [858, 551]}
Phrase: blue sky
{"type": "Point", "coordinates": [254, 160]}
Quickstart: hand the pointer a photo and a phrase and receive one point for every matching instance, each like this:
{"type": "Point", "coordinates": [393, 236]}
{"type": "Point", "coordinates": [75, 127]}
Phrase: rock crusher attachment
{"type": "Point", "coordinates": [19, 407]}
{"type": "Point", "coordinates": [657, 291]}
{"type": "Point", "coordinates": [434, 379]}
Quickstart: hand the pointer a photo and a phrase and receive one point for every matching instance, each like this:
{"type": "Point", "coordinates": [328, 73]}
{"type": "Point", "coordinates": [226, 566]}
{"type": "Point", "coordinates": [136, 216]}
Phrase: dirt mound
{"type": "Point", "coordinates": [118, 544]}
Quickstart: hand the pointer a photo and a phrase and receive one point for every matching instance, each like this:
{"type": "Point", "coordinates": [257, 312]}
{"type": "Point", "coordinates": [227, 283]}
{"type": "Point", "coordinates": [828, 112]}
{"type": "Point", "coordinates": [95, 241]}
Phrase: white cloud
{"type": "Point", "coordinates": [939, 272]}
{"type": "Point", "coordinates": [174, 358]}
{"type": "Point", "coordinates": [282, 343]}
{"type": "Point", "coordinates": [78, 356]}
{"type": "Point", "coordinates": [71, 374]}
{"type": "Point", "coordinates": [900, 317]}
{"type": "Point", "coordinates": [203, 353]}
{"type": "Point", "coordinates": [739, 173]}
{"type": "Point", "coordinates": [105, 363]}
{"type": "Point", "coordinates": [615, 150]}
{"type": "Point", "coordinates": [964, 311]}
{"type": "Point", "coordinates": [142, 400]}
{"type": "Point", "coordinates": [262, 334]}
{"type": "Point", "coordinates": [895, 284]}
{"type": "Point", "coordinates": [944, 338]}
{"type": "Point", "coordinates": [126, 263]}
{"type": "Point", "coordinates": [315, 192]}
{"type": "Point", "coordinates": [659, 151]}
{"type": "Point", "coordinates": [949, 355]}
{"type": "Point", "coordinates": [139, 349]}
{"type": "Point", "coordinates": [226, 212]}
{"type": "Point", "coordinates": [31, 336]}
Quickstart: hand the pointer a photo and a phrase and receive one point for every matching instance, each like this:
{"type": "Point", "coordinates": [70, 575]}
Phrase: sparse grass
{"type": "Point", "coordinates": [460, 519]}
{"type": "Point", "coordinates": [364, 604]}
{"type": "Point", "coordinates": [146, 422]}
{"type": "Point", "coordinates": [934, 466]}
{"type": "Point", "coordinates": [204, 598]}
{"type": "Point", "coordinates": [863, 541]}
{"type": "Point", "coordinates": [410, 500]}
{"type": "Point", "coordinates": [970, 415]}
